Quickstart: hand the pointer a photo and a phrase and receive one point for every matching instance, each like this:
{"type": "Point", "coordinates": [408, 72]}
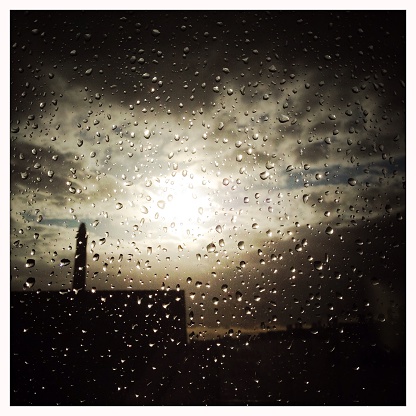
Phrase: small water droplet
{"type": "Point", "coordinates": [119, 205]}
{"type": "Point", "coordinates": [318, 265]}
{"type": "Point", "coordinates": [211, 247]}
{"type": "Point", "coordinates": [143, 210]}
{"type": "Point", "coordinates": [218, 229]}
{"type": "Point", "coordinates": [30, 282]}
{"type": "Point", "coordinates": [241, 245]}
{"type": "Point", "coordinates": [161, 204]}
{"type": "Point", "coordinates": [30, 263]}
{"type": "Point", "coordinates": [264, 175]}
{"type": "Point", "coordinates": [329, 230]}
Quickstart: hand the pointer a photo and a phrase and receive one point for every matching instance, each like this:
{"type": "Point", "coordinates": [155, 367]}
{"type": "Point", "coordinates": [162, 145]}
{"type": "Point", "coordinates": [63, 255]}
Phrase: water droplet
{"type": "Point", "coordinates": [30, 263]}
{"type": "Point", "coordinates": [283, 118]}
{"type": "Point", "coordinates": [305, 198]}
{"type": "Point", "coordinates": [225, 181]}
{"type": "Point", "coordinates": [211, 247]}
{"type": "Point", "coordinates": [289, 168]}
{"type": "Point", "coordinates": [318, 265]}
{"type": "Point", "coordinates": [30, 282]}
{"type": "Point", "coordinates": [218, 229]}
{"type": "Point", "coordinates": [149, 251]}
{"type": "Point", "coordinates": [119, 205]}
{"type": "Point", "coordinates": [143, 210]}
{"type": "Point", "coordinates": [224, 287]}
{"type": "Point", "coordinates": [241, 245]}
{"type": "Point", "coordinates": [264, 175]}
{"type": "Point", "coordinates": [161, 204]}
{"type": "Point", "coordinates": [329, 230]}
{"type": "Point", "coordinates": [146, 133]}
{"type": "Point", "coordinates": [88, 71]}
{"type": "Point", "coordinates": [269, 165]}
{"type": "Point", "coordinates": [352, 181]}
{"type": "Point", "coordinates": [96, 257]}
{"type": "Point", "coordinates": [65, 262]}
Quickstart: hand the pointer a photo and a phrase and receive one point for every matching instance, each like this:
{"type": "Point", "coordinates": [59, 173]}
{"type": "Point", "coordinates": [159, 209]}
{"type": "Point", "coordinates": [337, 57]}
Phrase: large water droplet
{"type": "Point", "coordinates": [352, 181]}
{"type": "Point", "coordinates": [65, 262]}
{"type": "Point", "coordinates": [241, 245]}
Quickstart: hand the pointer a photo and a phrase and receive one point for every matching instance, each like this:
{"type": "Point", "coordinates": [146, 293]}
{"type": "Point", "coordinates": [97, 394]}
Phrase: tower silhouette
{"type": "Point", "coordinates": [80, 259]}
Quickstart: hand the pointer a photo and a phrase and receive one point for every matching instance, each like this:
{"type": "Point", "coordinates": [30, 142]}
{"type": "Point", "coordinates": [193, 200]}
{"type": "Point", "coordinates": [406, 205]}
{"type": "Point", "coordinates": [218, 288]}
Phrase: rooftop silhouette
{"type": "Point", "coordinates": [127, 347]}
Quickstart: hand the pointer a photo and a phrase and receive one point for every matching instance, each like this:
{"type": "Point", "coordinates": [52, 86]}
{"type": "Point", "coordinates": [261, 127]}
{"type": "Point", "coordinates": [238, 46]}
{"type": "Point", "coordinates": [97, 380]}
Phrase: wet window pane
{"type": "Point", "coordinates": [208, 208]}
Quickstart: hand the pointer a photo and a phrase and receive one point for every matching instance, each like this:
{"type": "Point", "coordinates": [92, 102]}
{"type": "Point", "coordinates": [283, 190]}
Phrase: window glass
{"type": "Point", "coordinates": [207, 207]}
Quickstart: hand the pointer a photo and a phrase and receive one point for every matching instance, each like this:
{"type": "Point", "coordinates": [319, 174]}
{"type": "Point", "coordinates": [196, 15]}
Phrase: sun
{"type": "Point", "coordinates": [183, 210]}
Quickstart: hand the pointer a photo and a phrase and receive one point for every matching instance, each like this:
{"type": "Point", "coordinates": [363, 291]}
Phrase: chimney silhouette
{"type": "Point", "coordinates": [80, 268]}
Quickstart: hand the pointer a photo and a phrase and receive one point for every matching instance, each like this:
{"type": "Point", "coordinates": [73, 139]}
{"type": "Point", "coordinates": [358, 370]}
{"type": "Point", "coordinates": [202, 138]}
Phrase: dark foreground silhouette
{"type": "Point", "coordinates": [130, 348]}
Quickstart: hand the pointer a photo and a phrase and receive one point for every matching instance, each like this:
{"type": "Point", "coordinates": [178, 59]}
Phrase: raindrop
{"type": "Point", "coordinates": [218, 229]}
{"type": "Point", "coordinates": [264, 175]}
{"type": "Point", "coordinates": [161, 204]}
{"type": "Point", "coordinates": [29, 282]}
{"type": "Point", "coordinates": [65, 262]}
{"type": "Point", "coordinates": [30, 263]}
{"type": "Point", "coordinates": [241, 245]}
{"type": "Point", "coordinates": [318, 265]}
{"type": "Point", "coordinates": [211, 247]}
{"type": "Point", "coordinates": [143, 210]}
{"type": "Point", "coordinates": [119, 205]}
{"type": "Point", "coordinates": [352, 181]}
{"type": "Point", "coordinates": [146, 133]}
{"type": "Point", "coordinates": [329, 230]}
{"type": "Point", "coordinates": [283, 118]}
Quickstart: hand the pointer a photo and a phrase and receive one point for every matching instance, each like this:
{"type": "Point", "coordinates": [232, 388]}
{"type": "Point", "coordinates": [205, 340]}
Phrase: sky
{"type": "Point", "coordinates": [255, 160]}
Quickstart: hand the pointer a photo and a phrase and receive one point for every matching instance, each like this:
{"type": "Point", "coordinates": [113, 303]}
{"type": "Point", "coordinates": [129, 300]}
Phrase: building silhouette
{"type": "Point", "coordinates": [80, 267]}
